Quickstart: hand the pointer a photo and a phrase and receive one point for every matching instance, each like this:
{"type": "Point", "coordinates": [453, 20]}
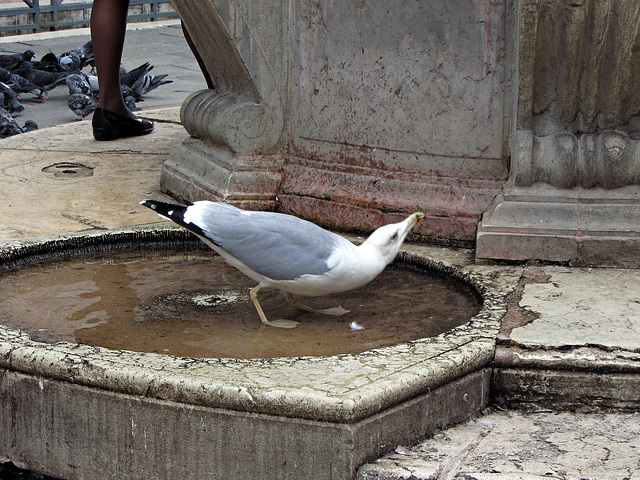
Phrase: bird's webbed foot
{"type": "Point", "coordinates": [336, 311]}
{"type": "Point", "coordinates": [282, 323]}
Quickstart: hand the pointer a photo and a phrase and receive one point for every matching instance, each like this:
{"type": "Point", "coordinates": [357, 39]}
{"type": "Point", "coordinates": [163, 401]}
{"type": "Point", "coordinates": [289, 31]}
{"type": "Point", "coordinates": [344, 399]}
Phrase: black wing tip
{"type": "Point", "coordinates": [173, 212]}
{"type": "Point", "coordinates": [165, 209]}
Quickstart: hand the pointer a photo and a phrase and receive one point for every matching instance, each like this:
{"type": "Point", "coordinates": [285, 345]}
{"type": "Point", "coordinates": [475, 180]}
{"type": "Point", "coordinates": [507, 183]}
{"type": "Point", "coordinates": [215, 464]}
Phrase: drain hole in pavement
{"type": "Point", "coordinates": [68, 169]}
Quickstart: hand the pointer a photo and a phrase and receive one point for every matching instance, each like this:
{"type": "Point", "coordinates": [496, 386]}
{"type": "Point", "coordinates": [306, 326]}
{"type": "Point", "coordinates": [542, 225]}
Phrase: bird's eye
{"type": "Point", "coordinates": [394, 236]}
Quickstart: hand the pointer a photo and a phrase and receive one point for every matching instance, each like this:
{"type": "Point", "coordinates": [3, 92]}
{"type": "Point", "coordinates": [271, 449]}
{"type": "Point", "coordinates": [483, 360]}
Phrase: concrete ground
{"type": "Point", "coordinates": [60, 180]}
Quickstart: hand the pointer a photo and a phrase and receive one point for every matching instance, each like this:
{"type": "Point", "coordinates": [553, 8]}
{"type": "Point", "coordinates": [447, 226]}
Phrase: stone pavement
{"type": "Point", "coordinates": [524, 446]}
{"type": "Point", "coordinates": [565, 325]}
{"type": "Point", "coordinates": [160, 43]}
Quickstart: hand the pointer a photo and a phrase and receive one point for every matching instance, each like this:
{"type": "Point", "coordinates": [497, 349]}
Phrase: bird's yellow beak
{"type": "Point", "coordinates": [412, 219]}
{"type": "Point", "coordinates": [415, 218]}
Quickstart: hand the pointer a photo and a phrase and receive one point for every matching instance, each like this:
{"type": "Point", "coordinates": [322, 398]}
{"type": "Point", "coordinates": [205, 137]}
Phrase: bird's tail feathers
{"type": "Point", "coordinates": [173, 212]}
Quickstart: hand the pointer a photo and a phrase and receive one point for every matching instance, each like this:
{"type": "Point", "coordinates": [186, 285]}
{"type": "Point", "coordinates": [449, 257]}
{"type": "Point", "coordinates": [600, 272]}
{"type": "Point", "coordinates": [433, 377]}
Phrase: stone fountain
{"type": "Point", "coordinates": [512, 125]}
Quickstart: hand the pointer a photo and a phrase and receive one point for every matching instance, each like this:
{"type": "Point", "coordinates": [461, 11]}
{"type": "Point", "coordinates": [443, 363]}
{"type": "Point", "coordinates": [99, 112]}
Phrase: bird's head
{"type": "Point", "coordinates": [388, 238]}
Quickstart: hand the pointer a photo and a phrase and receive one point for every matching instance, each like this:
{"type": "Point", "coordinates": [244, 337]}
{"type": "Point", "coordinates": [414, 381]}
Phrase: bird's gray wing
{"type": "Point", "coordinates": [281, 247]}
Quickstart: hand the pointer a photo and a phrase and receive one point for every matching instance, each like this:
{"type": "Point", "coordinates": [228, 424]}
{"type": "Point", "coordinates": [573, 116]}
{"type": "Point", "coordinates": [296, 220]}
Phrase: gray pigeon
{"type": "Point", "coordinates": [10, 97]}
{"type": "Point", "coordinates": [82, 105]}
{"type": "Point", "coordinates": [30, 126]}
{"type": "Point", "coordinates": [130, 77]}
{"type": "Point", "coordinates": [78, 83]}
{"type": "Point", "coordinates": [85, 53]}
{"type": "Point", "coordinates": [71, 62]}
{"type": "Point", "coordinates": [45, 81]}
{"type": "Point", "coordinates": [129, 98]}
{"type": "Point", "coordinates": [8, 125]}
{"type": "Point", "coordinates": [92, 80]}
{"type": "Point", "coordinates": [11, 60]}
{"type": "Point", "coordinates": [17, 83]}
{"type": "Point", "coordinates": [147, 83]}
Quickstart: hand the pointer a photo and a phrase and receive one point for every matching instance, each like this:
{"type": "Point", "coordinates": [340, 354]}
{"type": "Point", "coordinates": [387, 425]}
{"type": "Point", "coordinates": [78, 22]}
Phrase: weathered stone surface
{"type": "Point", "coordinates": [581, 307]}
{"type": "Point", "coordinates": [384, 99]}
{"type": "Point", "coordinates": [574, 147]}
{"type": "Point", "coordinates": [71, 431]}
{"type": "Point", "coordinates": [567, 390]}
{"type": "Point", "coordinates": [360, 404]}
{"type": "Point", "coordinates": [340, 388]}
{"type": "Point", "coordinates": [520, 446]}
{"type": "Point", "coordinates": [583, 227]}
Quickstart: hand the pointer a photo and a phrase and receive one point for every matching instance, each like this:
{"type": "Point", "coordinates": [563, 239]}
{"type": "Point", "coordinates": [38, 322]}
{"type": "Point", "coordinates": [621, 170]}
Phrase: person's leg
{"type": "Point", "coordinates": [112, 119]}
{"type": "Point", "coordinates": [108, 29]}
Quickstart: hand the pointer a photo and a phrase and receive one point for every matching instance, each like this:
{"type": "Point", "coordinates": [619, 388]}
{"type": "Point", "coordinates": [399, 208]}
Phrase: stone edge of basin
{"type": "Point", "coordinates": [343, 388]}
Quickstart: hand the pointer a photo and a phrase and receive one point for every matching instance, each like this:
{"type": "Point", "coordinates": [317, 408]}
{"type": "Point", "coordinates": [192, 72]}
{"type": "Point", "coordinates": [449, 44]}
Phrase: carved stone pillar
{"type": "Point", "coordinates": [574, 188]}
{"type": "Point", "coordinates": [233, 153]}
{"type": "Point", "coordinates": [352, 113]}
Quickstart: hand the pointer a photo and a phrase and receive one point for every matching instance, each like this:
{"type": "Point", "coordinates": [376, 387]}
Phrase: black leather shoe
{"type": "Point", "coordinates": [109, 126]}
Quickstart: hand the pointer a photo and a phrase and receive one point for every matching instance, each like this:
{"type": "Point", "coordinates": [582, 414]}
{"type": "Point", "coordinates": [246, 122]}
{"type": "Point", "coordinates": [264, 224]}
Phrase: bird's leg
{"type": "Point", "coordinates": [282, 323]}
{"type": "Point", "coordinates": [337, 311]}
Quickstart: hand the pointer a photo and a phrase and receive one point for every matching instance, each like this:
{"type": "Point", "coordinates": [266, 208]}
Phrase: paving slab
{"type": "Point", "coordinates": [582, 306]}
{"type": "Point", "coordinates": [521, 446]}
{"type": "Point", "coordinates": [60, 180]}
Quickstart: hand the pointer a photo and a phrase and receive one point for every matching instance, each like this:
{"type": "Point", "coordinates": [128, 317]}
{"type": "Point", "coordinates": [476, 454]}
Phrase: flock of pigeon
{"type": "Point", "coordinates": [21, 74]}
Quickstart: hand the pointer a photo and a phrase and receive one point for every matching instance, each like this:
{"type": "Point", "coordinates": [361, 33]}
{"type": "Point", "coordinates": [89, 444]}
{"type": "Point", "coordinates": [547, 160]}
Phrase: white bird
{"type": "Point", "coordinates": [287, 252]}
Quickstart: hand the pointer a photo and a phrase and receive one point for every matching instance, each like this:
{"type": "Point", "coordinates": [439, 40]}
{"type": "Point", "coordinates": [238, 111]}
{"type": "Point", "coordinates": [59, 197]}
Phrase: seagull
{"type": "Point", "coordinates": [287, 252]}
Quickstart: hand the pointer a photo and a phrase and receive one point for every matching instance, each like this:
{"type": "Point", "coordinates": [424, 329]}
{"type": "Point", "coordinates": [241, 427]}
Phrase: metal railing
{"type": "Point", "coordinates": [55, 15]}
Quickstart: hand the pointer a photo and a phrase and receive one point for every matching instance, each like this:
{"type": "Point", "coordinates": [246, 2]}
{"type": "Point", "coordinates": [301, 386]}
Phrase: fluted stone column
{"type": "Point", "coordinates": [574, 188]}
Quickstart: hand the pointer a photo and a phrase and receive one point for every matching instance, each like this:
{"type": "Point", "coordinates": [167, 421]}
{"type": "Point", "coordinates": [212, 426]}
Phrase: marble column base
{"type": "Point", "coordinates": [577, 226]}
{"type": "Point", "coordinates": [196, 170]}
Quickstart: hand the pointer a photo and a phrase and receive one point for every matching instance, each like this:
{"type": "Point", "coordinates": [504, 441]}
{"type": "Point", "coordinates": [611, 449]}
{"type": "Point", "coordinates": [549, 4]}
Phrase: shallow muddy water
{"type": "Point", "coordinates": [195, 305]}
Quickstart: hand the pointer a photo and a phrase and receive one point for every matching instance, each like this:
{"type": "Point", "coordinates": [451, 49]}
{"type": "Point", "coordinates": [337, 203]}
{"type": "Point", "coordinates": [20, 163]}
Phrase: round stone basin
{"type": "Point", "coordinates": [181, 299]}
{"type": "Point", "coordinates": [151, 340]}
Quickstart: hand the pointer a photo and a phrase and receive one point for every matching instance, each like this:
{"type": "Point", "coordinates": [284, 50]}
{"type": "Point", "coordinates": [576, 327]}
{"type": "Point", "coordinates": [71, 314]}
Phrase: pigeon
{"type": "Point", "coordinates": [130, 77]}
{"type": "Point", "coordinates": [8, 125]}
{"type": "Point", "coordinates": [92, 80]}
{"type": "Point", "coordinates": [11, 60]}
{"type": "Point", "coordinates": [17, 83]}
{"type": "Point", "coordinates": [11, 102]}
{"type": "Point", "coordinates": [287, 252]}
{"type": "Point", "coordinates": [45, 81]}
{"type": "Point", "coordinates": [71, 62]}
{"type": "Point", "coordinates": [50, 62]}
{"type": "Point", "coordinates": [146, 83]}
{"type": "Point", "coordinates": [78, 83]}
{"type": "Point", "coordinates": [84, 53]}
{"type": "Point", "coordinates": [129, 98]}
{"type": "Point", "coordinates": [81, 104]}
{"type": "Point", "coordinates": [30, 126]}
